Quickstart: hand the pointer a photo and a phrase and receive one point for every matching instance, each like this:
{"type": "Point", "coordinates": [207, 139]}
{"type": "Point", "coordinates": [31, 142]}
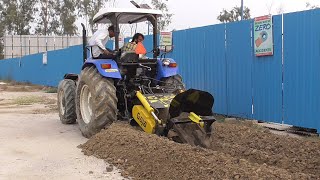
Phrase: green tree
{"type": "Point", "coordinates": [65, 9]}
{"type": "Point", "coordinates": [89, 8]}
{"type": "Point", "coordinates": [166, 18]}
{"type": "Point", "coordinates": [311, 6]}
{"type": "Point", "coordinates": [234, 14]}
{"type": "Point", "coordinates": [57, 17]}
{"type": "Point", "coordinates": [1, 31]}
{"type": "Point", "coordinates": [48, 21]}
{"type": "Point", "coordinates": [17, 15]}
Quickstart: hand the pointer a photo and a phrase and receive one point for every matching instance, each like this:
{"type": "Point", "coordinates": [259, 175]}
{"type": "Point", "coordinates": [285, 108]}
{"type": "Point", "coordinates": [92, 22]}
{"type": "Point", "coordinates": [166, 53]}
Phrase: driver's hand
{"type": "Point", "coordinates": [106, 52]}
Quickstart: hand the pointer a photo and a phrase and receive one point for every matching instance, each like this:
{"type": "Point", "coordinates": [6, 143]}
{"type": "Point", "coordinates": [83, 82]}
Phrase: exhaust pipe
{"type": "Point", "coordinates": [84, 42]}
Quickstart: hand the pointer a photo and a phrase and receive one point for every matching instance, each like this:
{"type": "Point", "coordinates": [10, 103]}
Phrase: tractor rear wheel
{"type": "Point", "coordinates": [96, 102]}
{"type": "Point", "coordinates": [66, 101]}
{"type": "Point", "coordinates": [175, 82]}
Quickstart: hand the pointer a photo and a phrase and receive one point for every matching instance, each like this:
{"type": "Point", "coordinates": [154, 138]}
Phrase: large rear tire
{"type": "Point", "coordinates": [66, 101]}
{"type": "Point", "coordinates": [175, 83]}
{"type": "Point", "coordinates": [96, 102]}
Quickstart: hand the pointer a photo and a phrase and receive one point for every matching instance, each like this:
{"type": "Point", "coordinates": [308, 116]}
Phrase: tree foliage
{"type": "Point", "coordinates": [234, 14]}
{"type": "Point", "coordinates": [1, 31]}
{"type": "Point", "coordinates": [52, 16]}
{"type": "Point", "coordinates": [48, 22]}
{"type": "Point", "coordinates": [17, 15]}
{"type": "Point", "coordinates": [67, 16]}
{"type": "Point", "coordinates": [166, 18]}
{"type": "Point", "coordinates": [88, 8]}
{"type": "Point", "coordinates": [311, 6]}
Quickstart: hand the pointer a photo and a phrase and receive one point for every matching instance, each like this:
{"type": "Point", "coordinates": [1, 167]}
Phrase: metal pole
{"type": "Point", "coordinates": [84, 42]}
{"type": "Point", "coordinates": [241, 9]}
{"type": "Point", "coordinates": [148, 28]}
{"type": "Point", "coordinates": [155, 43]}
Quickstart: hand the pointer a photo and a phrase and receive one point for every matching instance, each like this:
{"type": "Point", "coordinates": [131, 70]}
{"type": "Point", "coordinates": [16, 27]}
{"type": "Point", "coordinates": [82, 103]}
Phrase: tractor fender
{"type": "Point", "coordinates": [71, 76]}
{"type": "Point", "coordinates": [165, 71]}
{"type": "Point", "coordinates": [113, 72]}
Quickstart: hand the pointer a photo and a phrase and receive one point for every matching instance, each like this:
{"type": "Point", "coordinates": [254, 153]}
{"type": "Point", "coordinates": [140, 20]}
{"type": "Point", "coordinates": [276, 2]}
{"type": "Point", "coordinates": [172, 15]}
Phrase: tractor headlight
{"type": "Point", "coordinates": [166, 62]}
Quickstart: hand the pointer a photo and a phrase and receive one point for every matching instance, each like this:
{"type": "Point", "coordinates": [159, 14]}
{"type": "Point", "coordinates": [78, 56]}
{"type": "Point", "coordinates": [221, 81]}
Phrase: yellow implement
{"type": "Point", "coordinates": [144, 119]}
{"type": "Point", "coordinates": [196, 119]}
{"type": "Point", "coordinates": [144, 102]}
{"type": "Point", "coordinates": [144, 115]}
{"type": "Point", "coordinates": [146, 105]}
{"type": "Point", "coordinates": [188, 119]}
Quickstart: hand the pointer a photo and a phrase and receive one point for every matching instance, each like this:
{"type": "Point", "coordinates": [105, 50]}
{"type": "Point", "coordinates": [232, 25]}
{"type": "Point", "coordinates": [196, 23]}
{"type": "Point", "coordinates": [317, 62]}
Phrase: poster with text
{"type": "Point", "coordinates": [166, 41]}
{"type": "Point", "coordinates": [263, 36]}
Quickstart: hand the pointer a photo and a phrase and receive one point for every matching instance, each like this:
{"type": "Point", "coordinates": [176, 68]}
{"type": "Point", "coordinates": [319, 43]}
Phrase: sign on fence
{"type": "Point", "coordinates": [263, 40]}
{"type": "Point", "coordinates": [45, 58]}
{"type": "Point", "coordinates": [166, 41]}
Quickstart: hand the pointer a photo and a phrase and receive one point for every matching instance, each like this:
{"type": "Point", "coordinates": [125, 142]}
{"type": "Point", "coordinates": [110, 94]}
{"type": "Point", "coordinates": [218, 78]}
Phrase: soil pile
{"type": "Point", "coordinates": [145, 156]}
{"type": "Point", "coordinates": [257, 145]}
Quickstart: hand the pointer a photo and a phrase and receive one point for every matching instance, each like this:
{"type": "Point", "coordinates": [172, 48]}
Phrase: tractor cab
{"type": "Point", "coordinates": [118, 16]}
{"type": "Point", "coordinates": [129, 63]}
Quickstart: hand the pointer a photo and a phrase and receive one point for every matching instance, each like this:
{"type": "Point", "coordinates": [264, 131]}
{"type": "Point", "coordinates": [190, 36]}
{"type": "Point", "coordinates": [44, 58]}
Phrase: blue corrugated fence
{"type": "Point", "coordinates": [31, 69]}
{"type": "Point", "coordinates": [267, 80]}
{"type": "Point", "coordinates": [220, 59]}
{"type": "Point", "coordinates": [301, 69]}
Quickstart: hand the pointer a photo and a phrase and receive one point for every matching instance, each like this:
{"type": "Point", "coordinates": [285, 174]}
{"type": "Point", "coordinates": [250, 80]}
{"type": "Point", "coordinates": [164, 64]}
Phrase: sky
{"type": "Point", "coordinates": [205, 12]}
{"type": "Point", "coordinates": [189, 14]}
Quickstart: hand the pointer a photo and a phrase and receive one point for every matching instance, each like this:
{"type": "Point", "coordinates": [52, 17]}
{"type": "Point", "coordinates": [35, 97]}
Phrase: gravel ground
{"type": "Point", "coordinates": [35, 145]}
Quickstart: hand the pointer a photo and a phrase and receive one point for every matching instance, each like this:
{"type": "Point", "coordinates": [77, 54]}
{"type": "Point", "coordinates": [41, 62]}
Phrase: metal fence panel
{"type": "Point", "coordinates": [34, 44]}
{"type": "Point", "coordinates": [16, 48]}
{"type": "Point", "coordinates": [42, 43]}
{"type": "Point", "coordinates": [191, 62]}
{"type": "Point", "coordinates": [21, 45]}
{"type": "Point", "coordinates": [31, 69]}
{"type": "Point", "coordinates": [75, 41]}
{"type": "Point", "coordinates": [50, 43]}
{"type": "Point", "coordinates": [58, 43]}
{"type": "Point", "coordinates": [179, 48]}
{"type": "Point", "coordinates": [301, 69]}
{"type": "Point", "coordinates": [179, 53]}
{"type": "Point", "coordinates": [239, 62]}
{"type": "Point", "coordinates": [24, 45]}
{"type": "Point", "coordinates": [215, 66]}
{"type": "Point", "coordinates": [8, 49]}
{"type": "Point", "coordinates": [267, 80]}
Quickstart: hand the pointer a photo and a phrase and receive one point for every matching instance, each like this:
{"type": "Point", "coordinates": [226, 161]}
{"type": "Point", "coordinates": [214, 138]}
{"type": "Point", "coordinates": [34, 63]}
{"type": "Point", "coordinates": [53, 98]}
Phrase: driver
{"type": "Point", "coordinates": [98, 41]}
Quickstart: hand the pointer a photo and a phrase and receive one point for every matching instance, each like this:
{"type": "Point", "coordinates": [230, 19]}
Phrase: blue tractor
{"type": "Point", "coordinates": [146, 92]}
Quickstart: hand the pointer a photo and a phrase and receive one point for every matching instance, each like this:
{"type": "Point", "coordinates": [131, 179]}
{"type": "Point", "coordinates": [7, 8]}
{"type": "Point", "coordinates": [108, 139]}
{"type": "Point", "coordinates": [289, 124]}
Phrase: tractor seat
{"type": "Point", "coordinates": [129, 57]}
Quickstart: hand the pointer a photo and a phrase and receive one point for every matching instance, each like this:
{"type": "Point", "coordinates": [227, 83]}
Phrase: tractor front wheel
{"type": "Point", "coordinates": [96, 102]}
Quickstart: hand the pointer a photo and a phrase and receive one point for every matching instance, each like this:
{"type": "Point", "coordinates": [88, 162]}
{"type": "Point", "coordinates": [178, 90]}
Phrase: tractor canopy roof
{"type": "Point", "coordinates": [125, 15]}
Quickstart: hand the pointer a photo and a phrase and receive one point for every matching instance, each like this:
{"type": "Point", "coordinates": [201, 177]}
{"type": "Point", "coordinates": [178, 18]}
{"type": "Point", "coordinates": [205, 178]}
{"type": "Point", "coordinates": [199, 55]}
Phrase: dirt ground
{"type": "Point", "coordinates": [35, 145]}
{"type": "Point", "coordinates": [239, 151]}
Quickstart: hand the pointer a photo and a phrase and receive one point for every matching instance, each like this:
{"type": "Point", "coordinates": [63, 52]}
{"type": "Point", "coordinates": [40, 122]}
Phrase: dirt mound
{"type": "Point", "coordinates": [257, 145]}
{"type": "Point", "coordinates": [145, 156]}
